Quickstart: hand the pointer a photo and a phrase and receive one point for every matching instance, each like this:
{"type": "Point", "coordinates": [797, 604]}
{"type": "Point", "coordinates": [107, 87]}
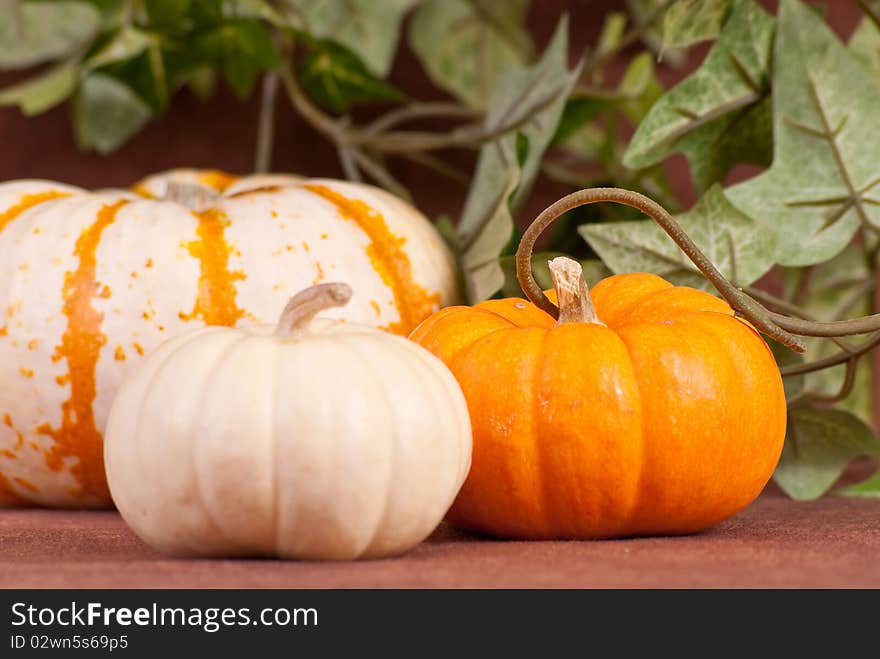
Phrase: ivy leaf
{"type": "Point", "coordinates": [696, 115]}
{"type": "Point", "coordinates": [106, 113]}
{"type": "Point", "coordinates": [732, 240]}
{"type": "Point", "coordinates": [243, 48]}
{"type": "Point", "coordinates": [688, 22]}
{"type": "Point", "coordinates": [43, 91]}
{"type": "Point", "coordinates": [464, 44]}
{"type": "Point", "coordinates": [869, 488]}
{"type": "Point", "coordinates": [532, 99]}
{"type": "Point", "coordinates": [865, 44]}
{"type": "Point", "coordinates": [819, 444]}
{"type": "Point", "coordinates": [367, 28]}
{"type": "Point", "coordinates": [825, 177]}
{"type": "Point", "coordinates": [126, 44]}
{"type": "Point", "coordinates": [36, 32]}
{"type": "Point", "coordinates": [337, 79]}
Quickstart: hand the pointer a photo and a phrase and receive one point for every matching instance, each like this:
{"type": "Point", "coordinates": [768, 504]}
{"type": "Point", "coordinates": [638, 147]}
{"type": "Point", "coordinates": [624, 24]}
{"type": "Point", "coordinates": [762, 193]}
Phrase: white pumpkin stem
{"type": "Point", "coordinates": [572, 292]}
{"type": "Point", "coordinates": [306, 304]}
{"type": "Point", "coordinates": [195, 197]}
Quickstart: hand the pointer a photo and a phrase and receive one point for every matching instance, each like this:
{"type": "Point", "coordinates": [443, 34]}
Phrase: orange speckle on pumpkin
{"type": "Point", "coordinates": [323, 236]}
{"type": "Point", "coordinates": [119, 354]}
{"type": "Point", "coordinates": [289, 248]}
{"type": "Point", "coordinates": [133, 275]}
{"type": "Point", "coordinates": [146, 315]}
{"type": "Point", "coordinates": [216, 300]}
{"type": "Point", "coordinates": [4, 330]}
{"type": "Point", "coordinates": [6, 453]}
{"type": "Point", "coordinates": [27, 372]}
{"type": "Point", "coordinates": [62, 380]}
{"type": "Point", "coordinates": [33, 343]}
{"type": "Point", "coordinates": [306, 246]}
{"type": "Point", "coordinates": [320, 275]}
{"type": "Point", "coordinates": [28, 201]}
{"type": "Point", "coordinates": [78, 436]}
{"type": "Point", "coordinates": [104, 291]}
{"type": "Point", "coordinates": [376, 307]}
{"type": "Point", "coordinates": [274, 213]}
{"type": "Point", "coordinates": [37, 231]}
{"type": "Point", "coordinates": [385, 252]}
{"type": "Point", "coordinates": [26, 484]}
{"type": "Point", "coordinates": [149, 263]}
{"type": "Point", "coordinates": [19, 438]}
{"type": "Point", "coordinates": [138, 348]}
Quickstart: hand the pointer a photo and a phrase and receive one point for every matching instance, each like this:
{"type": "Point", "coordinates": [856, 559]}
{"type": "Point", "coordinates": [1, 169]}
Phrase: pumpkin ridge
{"type": "Point", "coordinates": [391, 262]}
{"type": "Point", "coordinates": [77, 436]}
{"type": "Point", "coordinates": [237, 547]}
{"type": "Point", "coordinates": [28, 201]}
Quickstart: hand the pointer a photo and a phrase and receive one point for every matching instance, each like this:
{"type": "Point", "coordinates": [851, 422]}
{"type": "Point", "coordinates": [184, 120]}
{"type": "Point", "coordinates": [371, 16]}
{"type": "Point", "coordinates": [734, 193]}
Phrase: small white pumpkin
{"type": "Point", "coordinates": [324, 439]}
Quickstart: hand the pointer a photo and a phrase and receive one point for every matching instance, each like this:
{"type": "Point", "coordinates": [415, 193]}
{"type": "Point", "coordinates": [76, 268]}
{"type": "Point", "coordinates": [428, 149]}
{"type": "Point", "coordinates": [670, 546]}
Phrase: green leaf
{"type": "Point", "coordinates": [106, 113]}
{"type": "Point", "coordinates": [612, 32]}
{"type": "Point", "coordinates": [825, 177]}
{"type": "Point", "coordinates": [865, 45]}
{"type": "Point", "coordinates": [167, 12]}
{"type": "Point", "coordinates": [531, 100]}
{"type": "Point", "coordinates": [126, 44]}
{"type": "Point", "coordinates": [869, 488]}
{"type": "Point", "coordinates": [819, 444]}
{"type": "Point", "coordinates": [43, 91]}
{"type": "Point", "coordinates": [464, 44]}
{"type": "Point", "coordinates": [640, 87]}
{"type": "Point", "coordinates": [696, 115]}
{"type": "Point", "coordinates": [36, 32]}
{"type": "Point", "coordinates": [687, 22]}
{"type": "Point", "coordinates": [243, 48]}
{"type": "Point", "coordinates": [732, 241]}
{"type": "Point", "coordinates": [337, 79]}
{"type": "Point", "coordinates": [367, 28]}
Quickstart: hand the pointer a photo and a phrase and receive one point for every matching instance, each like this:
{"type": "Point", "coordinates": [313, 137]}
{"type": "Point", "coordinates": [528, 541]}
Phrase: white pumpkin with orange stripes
{"type": "Point", "coordinates": [93, 280]}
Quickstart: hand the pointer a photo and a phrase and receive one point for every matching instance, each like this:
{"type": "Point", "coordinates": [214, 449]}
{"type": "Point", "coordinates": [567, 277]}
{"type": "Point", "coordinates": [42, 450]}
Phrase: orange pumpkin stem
{"type": "Point", "coordinates": [575, 305]}
{"type": "Point", "coordinates": [303, 306]}
{"type": "Point", "coordinates": [195, 197]}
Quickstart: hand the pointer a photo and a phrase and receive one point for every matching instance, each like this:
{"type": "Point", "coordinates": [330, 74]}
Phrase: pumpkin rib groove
{"type": "Point", "coordinates": [235, 546]}
{"type": "Point", "coordinates": [276, 452]}
{"type": "Point", "coordinates": [540, 447]}
{"type": "Point", "coordinates": [138, 440]}
{"type": "Point", "coordinates": [633, 515]}
{"type": "Point", "coordinates": [393, 443]}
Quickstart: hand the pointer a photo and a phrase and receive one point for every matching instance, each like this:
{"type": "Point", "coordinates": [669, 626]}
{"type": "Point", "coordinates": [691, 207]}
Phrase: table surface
{"type": "Point", "coordinates": [776, 542]}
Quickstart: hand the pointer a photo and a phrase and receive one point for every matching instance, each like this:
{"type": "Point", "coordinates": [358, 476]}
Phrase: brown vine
{"type": "Point", "coordinates": [783, 328]}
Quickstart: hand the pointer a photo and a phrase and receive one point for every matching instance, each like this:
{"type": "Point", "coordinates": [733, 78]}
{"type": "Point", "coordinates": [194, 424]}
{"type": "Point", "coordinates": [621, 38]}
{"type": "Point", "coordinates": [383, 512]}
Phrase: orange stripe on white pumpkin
{"type": "Point", "coordinates": [390, 261]}
{"type": "Point", "coordinates": [216, 300]}
{"type": "Point", "coordinates": [28, 201]}
{"type": "Point", "coordinates": [77, 436]}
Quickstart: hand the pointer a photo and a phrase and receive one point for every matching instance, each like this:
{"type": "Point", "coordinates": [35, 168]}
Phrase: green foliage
{"type": "Point", "coordinates": [528, 102]}
{"type": "Point", "coordinates": [691, 21]}
{"type": "Point", "coordinates": [820, 443]}
{"type": "Point", "coordinates": [36, 32]}
{"type": "Point", "coordinates": [336, 79]}
{"type": "Point", "coordinates": [732, 240]}
{"type": "Point", "coordinates": [464, 44]}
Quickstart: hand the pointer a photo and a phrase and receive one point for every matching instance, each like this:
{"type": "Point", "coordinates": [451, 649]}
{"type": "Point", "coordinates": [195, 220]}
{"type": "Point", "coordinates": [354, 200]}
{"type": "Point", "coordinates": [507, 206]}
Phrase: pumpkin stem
{"type": "Point", "coordinates": [575, 305]}
{"type": "Point", "coordinates": [195, 197]}
{"type": "Point", "coordinates": [303, 306]}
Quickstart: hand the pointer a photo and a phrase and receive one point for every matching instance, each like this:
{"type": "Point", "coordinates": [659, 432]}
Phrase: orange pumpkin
{"type": "Point", "coordinates": [655, 411]}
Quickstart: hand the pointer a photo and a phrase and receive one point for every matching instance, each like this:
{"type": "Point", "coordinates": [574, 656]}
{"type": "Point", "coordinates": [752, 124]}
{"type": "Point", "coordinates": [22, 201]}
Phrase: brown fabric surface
{"type": "Point", "coordinates": [833, 542]}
